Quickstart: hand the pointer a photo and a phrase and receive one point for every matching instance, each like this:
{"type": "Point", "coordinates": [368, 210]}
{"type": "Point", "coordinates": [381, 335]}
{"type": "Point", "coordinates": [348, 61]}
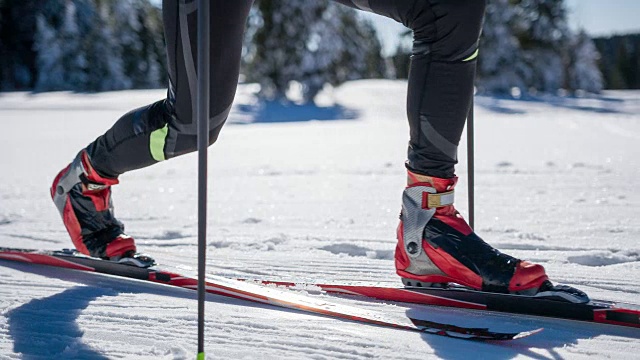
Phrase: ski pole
{"type": "Point", "coordinates": [470, 163]}
{"type": "Point", "coordinates": [202, 99]}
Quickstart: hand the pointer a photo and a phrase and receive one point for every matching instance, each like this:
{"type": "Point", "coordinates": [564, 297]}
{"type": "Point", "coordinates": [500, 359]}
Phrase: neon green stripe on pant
{"type": "Point", "coordinates": [473, 56]}
{"type": "Point", "coordinates": [157, 141]}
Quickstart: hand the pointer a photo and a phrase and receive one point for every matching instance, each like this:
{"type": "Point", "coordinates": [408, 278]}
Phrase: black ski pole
{"type": "Point", "coordinates": [470, 164]}
{"type": "Point", "coordinates": [202, 99]}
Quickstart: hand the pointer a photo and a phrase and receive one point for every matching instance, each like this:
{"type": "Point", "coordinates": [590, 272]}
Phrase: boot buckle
{"type": "Point", "coordinates": [439, 200]}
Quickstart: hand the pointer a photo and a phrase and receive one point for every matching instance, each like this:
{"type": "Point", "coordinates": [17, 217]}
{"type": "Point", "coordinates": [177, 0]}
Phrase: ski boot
{"type": "Point", "coordinates": [83, 198]}
{"type": "Point", "coordinates": [436, 248]}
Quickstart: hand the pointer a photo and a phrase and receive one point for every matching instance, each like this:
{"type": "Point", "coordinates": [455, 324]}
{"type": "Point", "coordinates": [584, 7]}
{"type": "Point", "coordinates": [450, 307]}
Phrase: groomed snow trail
{"type": "Point", "coordinates": [556, 183]}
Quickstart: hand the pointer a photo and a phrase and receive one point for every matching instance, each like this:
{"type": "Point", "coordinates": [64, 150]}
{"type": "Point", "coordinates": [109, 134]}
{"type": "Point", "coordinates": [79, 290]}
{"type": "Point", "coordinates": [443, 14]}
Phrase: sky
{"type": "Point", "coordinates": [600, 17]}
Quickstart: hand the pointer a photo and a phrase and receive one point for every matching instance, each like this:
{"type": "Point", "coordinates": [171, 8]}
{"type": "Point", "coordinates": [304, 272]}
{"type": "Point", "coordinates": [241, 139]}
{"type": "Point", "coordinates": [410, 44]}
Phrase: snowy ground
{"type": "Point", "coordinates": [557, 183]}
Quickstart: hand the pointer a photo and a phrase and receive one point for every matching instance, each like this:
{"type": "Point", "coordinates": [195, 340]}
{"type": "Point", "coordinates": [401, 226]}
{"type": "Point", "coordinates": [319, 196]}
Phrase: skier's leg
{"type": "Point", "coordinates": [435, 244]}
{"type": "Point", "coordinates": [167, 128]}
{"type": "Point", "coordinates": [153, 133]}
{"type": "Point", "coordinates": [441, 75]}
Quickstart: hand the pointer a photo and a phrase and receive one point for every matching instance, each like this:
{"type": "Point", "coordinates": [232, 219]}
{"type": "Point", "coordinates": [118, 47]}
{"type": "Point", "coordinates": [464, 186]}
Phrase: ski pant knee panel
{"type": "Point", "coordinates": [131, 142]}
{"type": "Point", "coordinates": [178, 138]}
{"type": "Point", "coordinates": [447, 29]}
{"type": "Point", "coordinates": [145, 136]}
{"type": "Point", "coordinates": [168, 128]}
{"type": "Point", "coordinates": [228, 21]}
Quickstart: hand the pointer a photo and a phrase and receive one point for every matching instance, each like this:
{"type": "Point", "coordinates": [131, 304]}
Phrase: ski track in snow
{"type": "Point", "coordinates": [556, 183]}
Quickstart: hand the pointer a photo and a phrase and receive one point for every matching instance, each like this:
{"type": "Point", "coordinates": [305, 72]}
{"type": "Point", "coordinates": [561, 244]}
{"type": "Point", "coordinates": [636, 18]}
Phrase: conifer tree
{"type": "Point", "coordinates": [98, 45]}
{"type": "Point", "coordinates": [136, 25]}
{"type": "Point", "coordinates": [584, 73]}
{"type": "Point", "coordinates": [71, 39]}
{"type": "Point", "coordinates": [527, 44]}
{"type": "Point", "coordinates": [280, 43]}
{"type": "Point", "coordinates": [49, 60]}
{"type": "Point", "coordinates": [342, 47]}
{"type": "Point", "coordinates": [311, 42]}
{"type": "Point", "coordinates": [499, 66]}
{"type": "Point", "coordinates": [542, 30]}
{"type": "Point", "coordinates": [103, 53]}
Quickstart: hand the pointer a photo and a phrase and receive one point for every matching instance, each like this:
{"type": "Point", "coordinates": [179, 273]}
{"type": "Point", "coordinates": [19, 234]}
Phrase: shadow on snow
{"type": "Point", "coordinates": [46, 327]}
{"type": "Point", "coordinates": [275, 111]}
{"type": "Point", "coordinates": [557, 333]}
{"type": "Point", "coordinates": [503, 104]}
{"type": "Point", "coordinates": [278, 112]}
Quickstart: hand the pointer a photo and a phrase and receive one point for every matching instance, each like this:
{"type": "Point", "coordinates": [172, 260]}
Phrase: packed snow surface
{"type": "Point", "coordinates": [312, 193]}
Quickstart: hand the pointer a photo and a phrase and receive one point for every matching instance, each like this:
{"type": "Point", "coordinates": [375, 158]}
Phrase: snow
{"type": "Point", "coordinates": [556, 183]}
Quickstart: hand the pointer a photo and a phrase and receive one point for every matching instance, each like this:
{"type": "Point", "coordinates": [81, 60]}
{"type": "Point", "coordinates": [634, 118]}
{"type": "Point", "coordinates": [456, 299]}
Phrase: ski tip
{"type": "Point", "coordinates": [525, 334]}
{"type": "Point", "coordinates": [200, 356]}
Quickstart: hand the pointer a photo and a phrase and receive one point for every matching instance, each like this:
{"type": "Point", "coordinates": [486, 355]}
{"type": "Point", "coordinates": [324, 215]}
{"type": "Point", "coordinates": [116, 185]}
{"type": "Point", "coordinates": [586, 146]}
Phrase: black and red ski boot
{"type": "Point", "coordinates": [83, 198]}
{"type": "Point", "coordinates": [437, 247]}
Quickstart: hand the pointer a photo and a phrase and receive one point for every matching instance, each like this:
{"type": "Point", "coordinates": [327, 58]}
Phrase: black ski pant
{"type": "Point", "coordinates": [440, 87]}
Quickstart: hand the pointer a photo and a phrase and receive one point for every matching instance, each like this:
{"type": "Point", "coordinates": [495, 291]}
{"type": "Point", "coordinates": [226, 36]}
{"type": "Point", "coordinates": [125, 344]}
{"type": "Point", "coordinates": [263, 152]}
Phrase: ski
{"type": "Point", "coordinates": [71, 259]}
{"type": "Point", "coordinates": [595, 311]}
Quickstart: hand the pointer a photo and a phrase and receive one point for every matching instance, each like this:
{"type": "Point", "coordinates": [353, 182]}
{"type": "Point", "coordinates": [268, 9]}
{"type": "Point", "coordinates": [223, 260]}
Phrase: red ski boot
{"type": "Point", "coordinates": [436, 246]}
{"type": "Point", "coordinates": [83, 198]}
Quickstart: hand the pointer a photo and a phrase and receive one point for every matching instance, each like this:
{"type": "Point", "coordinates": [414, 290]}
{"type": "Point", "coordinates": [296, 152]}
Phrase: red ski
{"type": "Point", "coordinates": [251, 292]}
{"type": "Point", "coordinates": [597, 311]}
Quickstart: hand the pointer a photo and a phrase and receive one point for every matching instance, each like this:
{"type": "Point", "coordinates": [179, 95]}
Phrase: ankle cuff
{"type": "Point", "coordinates": [92, 175]}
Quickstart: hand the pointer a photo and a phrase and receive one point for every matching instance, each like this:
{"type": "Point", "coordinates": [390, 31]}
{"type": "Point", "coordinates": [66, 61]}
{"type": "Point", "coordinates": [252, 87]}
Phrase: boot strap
{"type": "Point", "coordinates": [439, 200]}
